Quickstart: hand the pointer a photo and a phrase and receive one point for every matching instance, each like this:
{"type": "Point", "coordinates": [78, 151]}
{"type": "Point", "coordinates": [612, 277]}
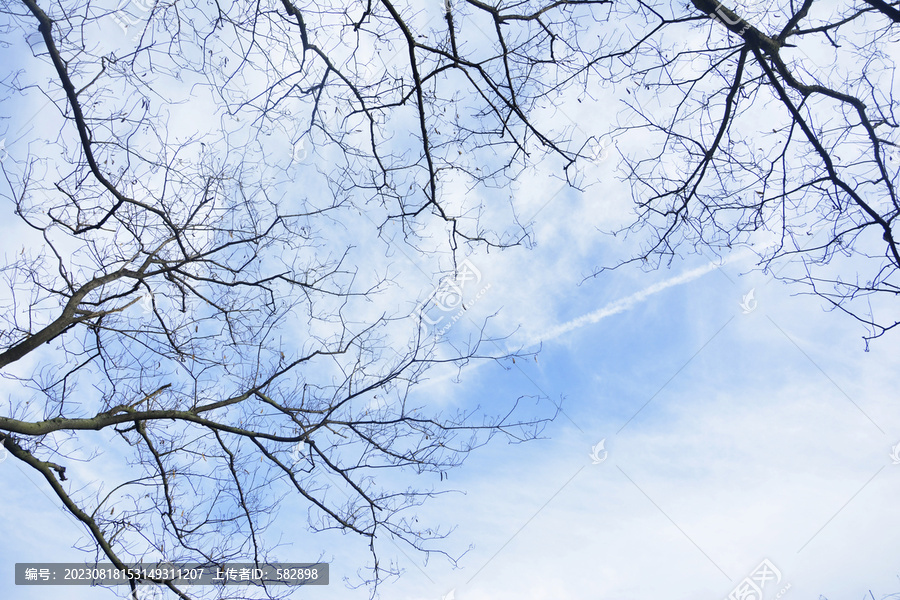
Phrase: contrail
{"type": "Point", "coordinates": [627, 302]}
{"type": "Point", "coordinates": [610, 309]}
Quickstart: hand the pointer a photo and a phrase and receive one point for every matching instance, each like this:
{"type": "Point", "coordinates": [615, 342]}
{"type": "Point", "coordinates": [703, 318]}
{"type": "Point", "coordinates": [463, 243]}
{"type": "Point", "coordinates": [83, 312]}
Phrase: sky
{"type": "Point", "coordinates": [713, 420]}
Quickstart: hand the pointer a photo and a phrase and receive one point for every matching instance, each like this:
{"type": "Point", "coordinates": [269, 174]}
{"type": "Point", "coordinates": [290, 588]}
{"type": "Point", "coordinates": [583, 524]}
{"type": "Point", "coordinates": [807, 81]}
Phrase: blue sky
{"type": "Point", "coordinates": [747, 450]}
{"type": "Point", "coordinates": [751, 448]}
{"type": "Point", "coordinates": [732, 436]}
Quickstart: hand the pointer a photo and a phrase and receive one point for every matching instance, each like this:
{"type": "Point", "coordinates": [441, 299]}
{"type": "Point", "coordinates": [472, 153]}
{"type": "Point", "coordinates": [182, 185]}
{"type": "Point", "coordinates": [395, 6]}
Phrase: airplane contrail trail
{"type": "Point", "coordinates": [610, 309]}
{"type": "Point", "coordinates": [627, 302]}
